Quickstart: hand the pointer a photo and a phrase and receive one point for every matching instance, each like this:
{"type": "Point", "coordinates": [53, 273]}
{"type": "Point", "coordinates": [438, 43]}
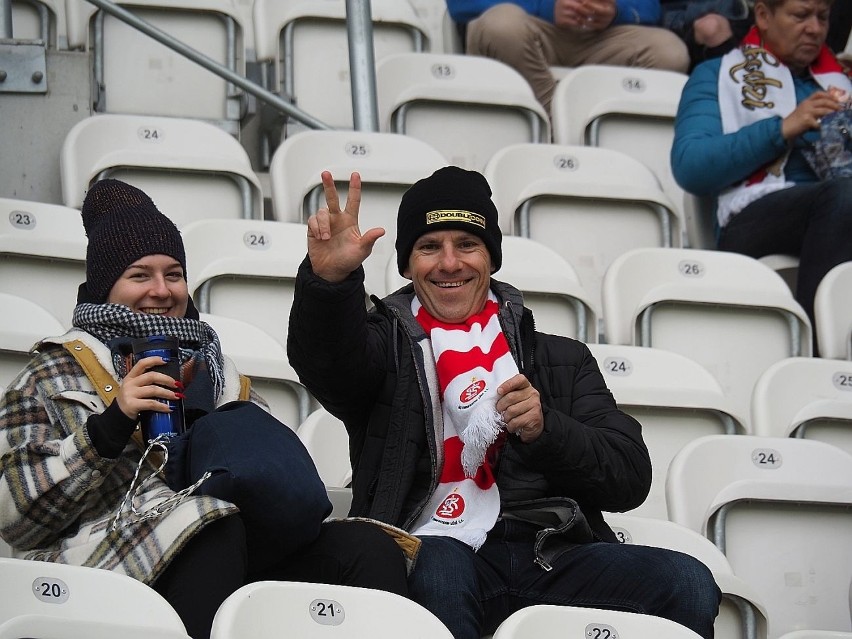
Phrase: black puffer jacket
{"type": "Point", "coordinates": [369, 370]}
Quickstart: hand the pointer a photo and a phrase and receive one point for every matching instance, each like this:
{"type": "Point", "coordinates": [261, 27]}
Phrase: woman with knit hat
{"type": "Point", "coordinates": [68, 454]}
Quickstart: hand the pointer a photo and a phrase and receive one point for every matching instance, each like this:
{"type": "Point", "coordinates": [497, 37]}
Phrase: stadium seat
{"type": "Point", "coordinates": [467, 107]}
{"type": "Point", "coordinates": [262, 609]}
{"type": "Point", "coordinates": [22, 324]}
{"type": "Point", "coordinates": [40, 20]}
{"type": "Point", "coordinates": [588, 204]}
{"type": "Point", "coordinates": [327, 441]}
{"type": "Point", "coordinates": [557, 622]}
{"type": "Point", "coordinates": [816, 634]}
{"type": "Point", "coordinates": [296, 185]}
{"type": "Point", "coordinates": [304, 45]}
{"type": "Point", "coordinates": [728, 312]}
{"type": "Point", "coordinates": [781, 511]}
{"type": "Point", "coordinates": [245, 269]}
{"type": "Point", "coordinates": [787, 266]}
{"type": "Point", "coordinates": [628, 109]}
{"type": "Point", "coordinates": [264, 360]}
{"type": "Point", "coordinates": [550, 286]}
{"type": "Point", "coordinates": [444, 36]}
{"type": "Point", "coordinates": [191, 169]}
{"type": "Point", "coordinates": [833, 313]}
{"type": "Point", "coordinates": [805, 397]}
{"type": "Point", "coordinates": [42, 254]}
{"type": "Point", "coordinates": [674, 398]}
{"type": "Point", "coordinates": [741, 613]}
{"type": "Point", "coordinates": [165, 83]}
{"type": "Point", "coordinates": [47, 600]}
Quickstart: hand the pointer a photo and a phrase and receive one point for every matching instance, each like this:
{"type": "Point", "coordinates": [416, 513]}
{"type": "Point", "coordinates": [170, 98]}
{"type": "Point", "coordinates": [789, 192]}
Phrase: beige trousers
{"type": "Point", "coordinates": [531, 45]}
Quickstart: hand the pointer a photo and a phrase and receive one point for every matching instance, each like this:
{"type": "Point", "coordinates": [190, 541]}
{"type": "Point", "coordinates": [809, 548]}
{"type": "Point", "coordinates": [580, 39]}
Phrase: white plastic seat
{"type": "Point", "coordinates": [327, 441]}
{"type": "Point", "coordinates": [467, 107]}
{"type": "Point", "coordinates": [388, 165]}
{"type": "Point", "coordinates": [264, 359]}
{"type": "Point", "coordinates": [674, 398]}
{"type": "Point", "coordinates": [556, 622]}
{"type": "Point", "coordinates": [728, 312]}
{"type": "Point", "coordinates": [781, 511]}
{"type": "Point", "coordinates": [40, 20]}
{"type": "Point", "coordinates": [550, 286]}
{"type": "Point", "coordinates": [805, 397]}
{"type": "Point", "coordinates": [588, 204]}
{"type": "Point", "coordinates": [42, 254]}
{"type": "Point", "coordinates": [245, 269]}
{"type": "Point", "coordinates": [833, 313]}
{"type": "Point", "coordinates": [305, 43]}
{"type": "Point", "coordinates": [47, 600]}
{"type": "Point", "coordinates": [741, 613]}
{"type": "Point", "coordinates": [164, 82]}
{"type": "Point", "coordinates": [628, 109]}
{"type": "Point", "coordinates": [816, 634]}
{"type": "Point", "coordinates": [192, 170]}
{"type": "Point", "coordinates": [262, 609]}
{"type": "Point", "coordinates": [22, 324]}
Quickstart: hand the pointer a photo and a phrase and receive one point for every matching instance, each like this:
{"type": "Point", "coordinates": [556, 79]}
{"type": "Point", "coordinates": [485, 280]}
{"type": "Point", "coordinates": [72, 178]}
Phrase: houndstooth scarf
{"type": "Point", "coordinates": [108, 322]}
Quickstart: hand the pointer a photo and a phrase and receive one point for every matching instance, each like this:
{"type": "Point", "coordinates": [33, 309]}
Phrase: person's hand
{"type": "Point", "coordinates": [336, 246]}
{"type": "Point", "coordinates": [520, 408]}
{"type": "Point", "coordinates": [808, 114]}
{"type": "Point", "coordinates": [584, 15]}
{"type": "Point", "coordinates": [712, 29]}
{"type": "Point", "coordinates": [141, 387]}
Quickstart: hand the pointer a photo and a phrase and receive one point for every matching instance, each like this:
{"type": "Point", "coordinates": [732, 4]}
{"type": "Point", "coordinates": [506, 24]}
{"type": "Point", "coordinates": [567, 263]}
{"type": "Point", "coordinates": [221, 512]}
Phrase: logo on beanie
{"type": "Point", "coordinates": [434, 217]}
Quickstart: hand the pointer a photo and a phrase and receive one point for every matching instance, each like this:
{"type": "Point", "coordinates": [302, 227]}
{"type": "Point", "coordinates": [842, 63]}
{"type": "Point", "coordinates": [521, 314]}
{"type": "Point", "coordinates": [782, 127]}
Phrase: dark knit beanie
{"type": "Point", "coordinates": [123, 225]}
{"type": "Point", "coordinates": [450, 198]}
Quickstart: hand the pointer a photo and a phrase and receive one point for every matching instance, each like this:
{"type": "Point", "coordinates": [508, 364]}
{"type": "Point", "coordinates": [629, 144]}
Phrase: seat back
{"type": "Point", "coordinates": [22, 324]}
{"type": "Point", "coordinates": [741, 613]}
{"type": "Point", "coordinates": [264, 360]}
{"type": "Point", "coordinates": [590, 205]}
{"type": "Point", "coordinates": [781, 511]}
{"type": "Point", "coordinates": [551, 622]}
{"type": "Point", "coordinates": [628, 109]}
{"type": "Point", "coordinates": [467, 107]}
{"type": "Point", "coordinates": [296, 185]}
{"type": "Point", "coordinates": [245, 269]}
{"type": "Point", "coordinates": [805, 397]}
{"type": "Point", "coordinates": [165, 82]}
{"type": "Point", "coordinates": [62, 600]}
{"type": "Point", "coordinates": [327, 441]}
{"type": "Point", "coordinates": [833, 313]}
{"type": "Point", "coordinates": [306, 43]}
{"type": "Point", "coordinates": [42, 254]}
{"type": "Point", "coordinates": [728, 312]}
{"type": "Point", "coordinates": [191, 169]}
{"type": "Point", "coordinates": [674, 398]}
{"type": "Point", "coordinates": [262, 609]}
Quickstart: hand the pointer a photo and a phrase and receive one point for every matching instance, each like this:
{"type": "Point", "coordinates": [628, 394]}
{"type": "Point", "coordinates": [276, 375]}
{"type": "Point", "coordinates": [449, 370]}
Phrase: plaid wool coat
{"type": "Point", "coordinates": [58, 497]}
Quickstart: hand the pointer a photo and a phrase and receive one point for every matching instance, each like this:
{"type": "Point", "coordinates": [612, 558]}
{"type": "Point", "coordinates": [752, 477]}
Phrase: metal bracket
{"type": "Point", "coordinates": [23, 66]}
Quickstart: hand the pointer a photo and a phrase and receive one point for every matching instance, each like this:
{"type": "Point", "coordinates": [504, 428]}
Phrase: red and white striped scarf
{"type": "Point", "coordinates": [472, 359]}
{"type": "Point", "coordinates": [754, 85]}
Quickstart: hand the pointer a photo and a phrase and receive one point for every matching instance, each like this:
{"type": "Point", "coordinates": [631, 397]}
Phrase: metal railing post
{"type": "Point", "coordinates": [362, 65]}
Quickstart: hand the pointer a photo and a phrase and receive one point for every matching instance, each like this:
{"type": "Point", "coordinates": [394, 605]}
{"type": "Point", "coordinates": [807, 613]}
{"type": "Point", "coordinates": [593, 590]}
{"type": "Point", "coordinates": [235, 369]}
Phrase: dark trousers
{"type": "Point", "coordinates": [213, 565]}
{"type": "Point", "coordinates": [473, 592]}
{"type": "Point", "coordinates": [812, 221]}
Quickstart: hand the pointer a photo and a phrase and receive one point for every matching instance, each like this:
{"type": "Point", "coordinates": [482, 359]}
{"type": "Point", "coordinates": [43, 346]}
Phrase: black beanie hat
{"type": "Point", "coordinates": [450, 198]}
{"type": "Point", "coordinates": [123, 225]}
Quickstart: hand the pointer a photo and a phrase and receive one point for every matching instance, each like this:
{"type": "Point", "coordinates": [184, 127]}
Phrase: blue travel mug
{"type": "Point", "coordinates": [154, 423]}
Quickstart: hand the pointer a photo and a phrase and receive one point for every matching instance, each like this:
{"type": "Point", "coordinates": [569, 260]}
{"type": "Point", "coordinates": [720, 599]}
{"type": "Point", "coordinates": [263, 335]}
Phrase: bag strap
{"type": "Point", "coordinates": [245, 388]}
{"type": "Point", "coordinates": [104, 383]}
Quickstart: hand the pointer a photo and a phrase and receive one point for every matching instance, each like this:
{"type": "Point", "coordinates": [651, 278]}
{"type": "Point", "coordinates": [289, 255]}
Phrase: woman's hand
{"type": "Point", "coordinates": [808, 114]}
{"type": "Point", "coordinates": [141, 388]}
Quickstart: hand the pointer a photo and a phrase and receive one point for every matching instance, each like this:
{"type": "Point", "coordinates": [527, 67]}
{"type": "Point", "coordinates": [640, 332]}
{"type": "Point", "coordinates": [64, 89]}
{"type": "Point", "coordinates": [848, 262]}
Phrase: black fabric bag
{"type": "Point", "coordinates": [260, 465]}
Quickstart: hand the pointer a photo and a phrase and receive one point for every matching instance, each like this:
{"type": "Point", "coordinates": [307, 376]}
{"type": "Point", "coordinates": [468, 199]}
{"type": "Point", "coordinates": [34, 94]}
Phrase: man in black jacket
{"type": "Point", "coordinates": [497, 445]}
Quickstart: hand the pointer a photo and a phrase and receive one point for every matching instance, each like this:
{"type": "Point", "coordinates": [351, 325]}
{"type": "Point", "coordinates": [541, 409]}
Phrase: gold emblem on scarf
{"type": "Point", "coordinates": [756, 84]}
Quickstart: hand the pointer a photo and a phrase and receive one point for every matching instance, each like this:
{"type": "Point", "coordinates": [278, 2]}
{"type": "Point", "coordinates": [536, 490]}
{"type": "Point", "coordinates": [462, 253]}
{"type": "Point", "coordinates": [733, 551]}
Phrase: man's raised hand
{"type": "Point", "coordinates": [336, 246]}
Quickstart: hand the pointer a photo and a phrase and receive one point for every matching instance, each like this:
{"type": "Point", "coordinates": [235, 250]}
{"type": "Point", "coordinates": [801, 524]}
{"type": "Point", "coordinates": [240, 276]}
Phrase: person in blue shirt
{"type": "Point", "coordinates": [534, 35]}
{"type": "Point", "coordinates": [752, 116]}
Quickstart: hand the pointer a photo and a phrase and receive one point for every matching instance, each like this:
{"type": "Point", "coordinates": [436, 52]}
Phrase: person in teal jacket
{"type": "Point", "coordinates": [534, 35]}
{"type": "Point", "coordinates": [753, 115]}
